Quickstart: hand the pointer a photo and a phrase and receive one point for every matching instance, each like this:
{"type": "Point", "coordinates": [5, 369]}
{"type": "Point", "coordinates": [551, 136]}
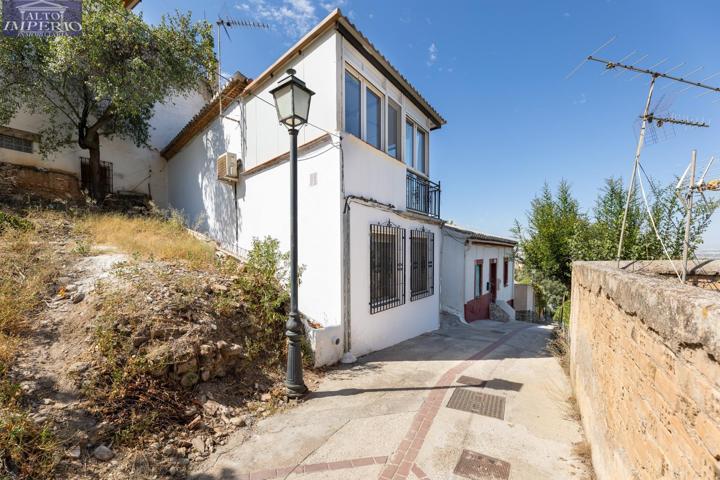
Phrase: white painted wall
{"type": "Point", "coordinates": [251, 130]}
{"type": "Point", "coordinates": [370, 332]}
{"type": "Point", "coordinates": [452, 273]}
{"type": "Point", "coordinates": [137, 169]}
{"type": "Point", "coordinates": [373, 174]}
{"type": "Point", "coordinates": [486, 253]}
{"type": "Point", "coordinates": [266, 138]}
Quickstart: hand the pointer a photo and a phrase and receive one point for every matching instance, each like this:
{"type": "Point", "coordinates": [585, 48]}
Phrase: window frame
{"type": "Point", "coordinates": [425, 171]}
{"type": "Point", "coordinates": [422, 277]}
{"type": "Point", "coordinates": [359, 79]}
{"type": "Point", "coordinates": [390, 103]}
{"type": "Point", "coordinates": [365, 84]}
{"type": "Point", "coordinates": [16, 143]}
{"type": "Point", "coordinates": [381, 108]}
{"type": "Point", "coordinates": [394, 268]}
{"type": "Point", "coordinates": [478, 286]}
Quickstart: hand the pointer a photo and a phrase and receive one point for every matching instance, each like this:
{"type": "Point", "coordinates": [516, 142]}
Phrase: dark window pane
{"type": "Point", "coordinates": [387, 268]}
{"type": "Point", "coordinates": [15, 143]}
{"type": "Point", "coordinates": [373, 112]}
{"type": "Point", "coordinates": [420, 163]}
{"type": "Point", "coordinates": [409, 135]}
{"type": "Point", "coordinates": [352, 105]}
{"type": "Point", "coordinates": [422, 252]}
{"type": "Point", "coordinates": [393, 131]}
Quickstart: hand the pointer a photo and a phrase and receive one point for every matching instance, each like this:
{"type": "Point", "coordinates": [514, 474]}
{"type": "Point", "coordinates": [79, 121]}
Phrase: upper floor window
{"type": "Point", "coordinates": [394, 129]}
{"type": "Point", "coordinates": [415, 146]}
{"type": "Point", "coordinates": [373, 116]}
{"type": "Point", "coordinates": [377, 119]}
{"type": "Point", "coordinates": [352, 104]}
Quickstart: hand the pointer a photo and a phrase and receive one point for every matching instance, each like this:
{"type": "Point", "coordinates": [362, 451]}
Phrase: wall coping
{"type": "Point", "coordinates": [684, 316]}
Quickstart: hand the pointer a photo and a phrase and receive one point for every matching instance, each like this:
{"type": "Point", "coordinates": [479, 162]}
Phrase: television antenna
{"type": "Point", "coordinates": [227, 23]}
{"type": "Point", "coordinates": [686, 190]}
{"type": "Point", "coordinates": [647, 118]}
{"type": "Point", "coordinates": [661, 123]}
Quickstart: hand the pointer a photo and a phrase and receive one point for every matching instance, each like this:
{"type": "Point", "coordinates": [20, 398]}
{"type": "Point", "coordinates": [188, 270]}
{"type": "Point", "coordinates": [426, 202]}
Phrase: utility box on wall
{"type": "Point", "coordinates": [227, 167]}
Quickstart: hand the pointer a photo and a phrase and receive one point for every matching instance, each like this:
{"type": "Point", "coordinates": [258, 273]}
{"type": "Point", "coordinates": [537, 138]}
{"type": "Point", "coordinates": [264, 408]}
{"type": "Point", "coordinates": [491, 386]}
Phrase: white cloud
{"type": "Point", "coordinates": [580, 100]}
{"type": "Point", "coordinates": [566, 14]}
{"type": "Point", "coordinates": [432, 54]}
{"type": "Point", "coordinates": [294, 18]}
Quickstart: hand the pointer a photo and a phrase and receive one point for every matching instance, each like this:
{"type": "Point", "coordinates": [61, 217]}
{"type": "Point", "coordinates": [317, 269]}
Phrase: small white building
{"type": "Point", "coordinates": [369, 217]}
{"type": "Point", "coordinates": [477, 275]}
{"type": "Point", "coordinates": [125, 167]}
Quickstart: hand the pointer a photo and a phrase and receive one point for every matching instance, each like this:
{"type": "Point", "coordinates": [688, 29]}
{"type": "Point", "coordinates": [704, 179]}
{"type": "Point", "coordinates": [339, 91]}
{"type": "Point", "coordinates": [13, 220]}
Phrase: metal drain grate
{"type": "Point", "coordinates": [471, 381]}
{"type": "Point", "coordinates": [500, 384]}
{"type": "Point", "coordinates": [478, 402]}
{"type": "Point", "coordinates": [477, 466]}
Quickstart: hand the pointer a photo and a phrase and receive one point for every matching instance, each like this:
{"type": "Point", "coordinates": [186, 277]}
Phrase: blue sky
{"type": "Point", "coordinates": [496, 71]}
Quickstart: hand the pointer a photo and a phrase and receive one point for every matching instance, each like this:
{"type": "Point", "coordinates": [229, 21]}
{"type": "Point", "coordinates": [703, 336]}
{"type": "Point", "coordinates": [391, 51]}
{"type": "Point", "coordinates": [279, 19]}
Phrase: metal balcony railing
{"type": "Point", "coordinates": [422, 195]}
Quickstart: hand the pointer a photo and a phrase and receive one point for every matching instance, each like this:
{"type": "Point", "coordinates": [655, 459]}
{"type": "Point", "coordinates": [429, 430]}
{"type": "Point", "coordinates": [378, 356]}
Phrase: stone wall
{"type": "Point", "coordinates": [20, 180]}
{"type": "Point", "coordinates": [644, 366]}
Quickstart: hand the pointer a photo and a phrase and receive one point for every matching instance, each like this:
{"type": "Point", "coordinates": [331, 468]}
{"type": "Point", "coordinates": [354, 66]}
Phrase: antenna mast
{"type": "Point", "coordinates": [648, 117]}
{"type": "Point", "coordinates": [225, 23]}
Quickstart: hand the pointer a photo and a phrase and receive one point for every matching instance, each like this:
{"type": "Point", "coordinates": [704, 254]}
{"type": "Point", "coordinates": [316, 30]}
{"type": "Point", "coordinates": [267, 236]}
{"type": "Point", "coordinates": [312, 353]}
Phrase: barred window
{"type": "Point", "coordinates": [387, 267]}
{"type": "Point", "coordinates": [422, 273]}
{"type": "Point", "coordinates": [12, 142]}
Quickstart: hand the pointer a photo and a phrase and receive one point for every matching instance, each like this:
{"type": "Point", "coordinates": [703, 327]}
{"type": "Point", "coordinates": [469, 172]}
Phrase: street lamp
{"type": "Point", "coordinates": [292, 102]}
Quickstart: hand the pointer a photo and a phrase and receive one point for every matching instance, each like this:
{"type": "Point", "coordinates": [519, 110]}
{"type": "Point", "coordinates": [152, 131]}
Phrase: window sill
{"type": "Point", "coordinates": [385, 154]}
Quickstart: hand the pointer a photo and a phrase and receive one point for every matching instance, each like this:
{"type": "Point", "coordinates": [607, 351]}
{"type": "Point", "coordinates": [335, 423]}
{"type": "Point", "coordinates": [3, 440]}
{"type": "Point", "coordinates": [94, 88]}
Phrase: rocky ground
{"type": "Point", "coordinates": [140, 367]}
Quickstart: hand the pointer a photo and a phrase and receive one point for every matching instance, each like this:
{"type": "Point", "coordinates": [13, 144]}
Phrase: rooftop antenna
{"type": "Point", "coordinates": [226, 23]}
{"type": "Point", "coordinates": [647, 118]}
{"type": "Point", "coordinates": [661, 124]}
{"type": "Point", "coordinates": [693, 187]}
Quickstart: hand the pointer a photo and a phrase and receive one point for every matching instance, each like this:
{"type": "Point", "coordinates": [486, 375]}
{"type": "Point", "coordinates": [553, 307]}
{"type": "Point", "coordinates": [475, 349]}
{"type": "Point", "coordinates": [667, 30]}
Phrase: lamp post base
{"type": "Point", "coordinates": [294, 381]}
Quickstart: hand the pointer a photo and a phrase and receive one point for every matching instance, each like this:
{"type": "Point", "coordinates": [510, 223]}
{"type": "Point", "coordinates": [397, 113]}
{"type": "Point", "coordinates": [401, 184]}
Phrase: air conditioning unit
{"type": "Point", "coordinates": [227, 167]}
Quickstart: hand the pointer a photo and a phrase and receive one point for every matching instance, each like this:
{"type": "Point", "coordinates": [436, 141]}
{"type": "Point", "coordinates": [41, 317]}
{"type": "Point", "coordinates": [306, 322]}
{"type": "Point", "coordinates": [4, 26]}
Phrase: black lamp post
{"type": "Point", "coordinates": [292, 101]}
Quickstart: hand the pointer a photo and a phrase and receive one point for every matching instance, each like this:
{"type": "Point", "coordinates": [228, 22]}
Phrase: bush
{"type": "Point", "coordinates": [562, 314]}
{"type": "Point", "coordinates": [263, 284]}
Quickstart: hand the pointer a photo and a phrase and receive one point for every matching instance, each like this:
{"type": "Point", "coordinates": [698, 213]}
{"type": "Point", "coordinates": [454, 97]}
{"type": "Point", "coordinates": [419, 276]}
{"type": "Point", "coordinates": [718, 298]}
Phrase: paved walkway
{"type": "Point", "coordinates": [433, 407]}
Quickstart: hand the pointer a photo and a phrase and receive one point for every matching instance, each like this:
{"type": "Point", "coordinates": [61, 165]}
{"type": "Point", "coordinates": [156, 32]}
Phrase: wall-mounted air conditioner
{"type": "Point", "coordinates": [227, 167]}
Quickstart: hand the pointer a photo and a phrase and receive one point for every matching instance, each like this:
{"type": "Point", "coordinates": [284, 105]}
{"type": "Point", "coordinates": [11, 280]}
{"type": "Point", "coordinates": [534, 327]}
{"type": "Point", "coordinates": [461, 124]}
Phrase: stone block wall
{"type": "Point", "coordinates": [644, 366]}
{"type": "Point", "coordinates": [20, 180]}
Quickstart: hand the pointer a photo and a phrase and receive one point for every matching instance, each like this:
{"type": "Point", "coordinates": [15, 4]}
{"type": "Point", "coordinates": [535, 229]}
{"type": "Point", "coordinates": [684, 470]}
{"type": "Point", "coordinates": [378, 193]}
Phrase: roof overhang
{"type": "Point", "coordinates": [334, 21]}
{"type": "Point", "coordinates": [478, 238]}
{"type": "Point", "coordinates": [130, 4]}
{"type": "Point", "coordinates": [206, 115]}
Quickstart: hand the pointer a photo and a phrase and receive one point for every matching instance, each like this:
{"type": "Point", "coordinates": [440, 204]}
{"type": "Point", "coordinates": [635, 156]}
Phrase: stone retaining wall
{"type": "Point", "coordinates": [20, 180]}
{"type": "Point", "coordinates": [644, 366]}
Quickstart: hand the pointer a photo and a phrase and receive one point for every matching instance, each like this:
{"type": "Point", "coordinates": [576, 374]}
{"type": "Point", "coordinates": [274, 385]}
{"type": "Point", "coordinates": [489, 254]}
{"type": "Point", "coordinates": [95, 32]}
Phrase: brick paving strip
{"type": "Point", "coordinates": [283, 472]}
{"type": "Point", "coordinates": [403, 460]}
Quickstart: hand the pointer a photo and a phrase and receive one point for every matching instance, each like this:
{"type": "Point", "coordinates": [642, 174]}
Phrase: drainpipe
{"type": "Point", "coordinates": [347, 357]}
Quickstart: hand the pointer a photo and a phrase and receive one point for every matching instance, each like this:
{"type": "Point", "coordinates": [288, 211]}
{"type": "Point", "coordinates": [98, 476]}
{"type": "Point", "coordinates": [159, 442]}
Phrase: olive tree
{"type": "Point", "coordinates": [104, 82]}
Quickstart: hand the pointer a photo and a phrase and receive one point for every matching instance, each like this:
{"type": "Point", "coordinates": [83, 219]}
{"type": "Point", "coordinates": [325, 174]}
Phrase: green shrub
{"type": "Point", "coordinates": [8, 220]}
{"type": "Point", "coordinates": [263, 283]}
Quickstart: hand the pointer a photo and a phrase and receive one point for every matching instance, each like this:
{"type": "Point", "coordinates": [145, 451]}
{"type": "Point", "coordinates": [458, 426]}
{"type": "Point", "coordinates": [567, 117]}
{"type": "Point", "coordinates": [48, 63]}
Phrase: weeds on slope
{"type": "Point", "coordinates": [27, 268]}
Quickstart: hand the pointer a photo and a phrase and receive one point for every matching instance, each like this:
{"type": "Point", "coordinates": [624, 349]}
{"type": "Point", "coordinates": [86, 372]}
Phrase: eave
{"type": "Point", "coordinates": [206, 115]}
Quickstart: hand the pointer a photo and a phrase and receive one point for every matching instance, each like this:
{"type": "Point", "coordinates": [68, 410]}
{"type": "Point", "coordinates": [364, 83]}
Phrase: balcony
{"type": "Point", "coordinates": [422, 195]}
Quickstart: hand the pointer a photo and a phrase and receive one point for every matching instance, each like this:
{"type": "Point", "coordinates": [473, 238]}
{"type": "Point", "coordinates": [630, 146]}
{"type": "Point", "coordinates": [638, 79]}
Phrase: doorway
{"type": "Point", "coordinates": [493, 279]}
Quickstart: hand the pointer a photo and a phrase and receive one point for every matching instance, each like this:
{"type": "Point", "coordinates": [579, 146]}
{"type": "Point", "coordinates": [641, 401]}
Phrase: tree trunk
{"type": "Point", "coordinates": [97, 189]}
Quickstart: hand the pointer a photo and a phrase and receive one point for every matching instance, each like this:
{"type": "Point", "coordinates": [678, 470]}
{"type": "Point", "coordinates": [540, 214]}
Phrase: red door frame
{"type": "Point", "coordinates": [493, 279]}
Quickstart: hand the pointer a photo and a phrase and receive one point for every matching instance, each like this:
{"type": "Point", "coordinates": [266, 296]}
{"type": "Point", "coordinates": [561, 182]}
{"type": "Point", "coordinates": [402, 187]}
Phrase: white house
{"type": "Point", "coordinates": [125, 167]}
{"type": "Point", "coordinates": [477, 275]}
{"type": "Point", "coordinates": [369, 218]}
